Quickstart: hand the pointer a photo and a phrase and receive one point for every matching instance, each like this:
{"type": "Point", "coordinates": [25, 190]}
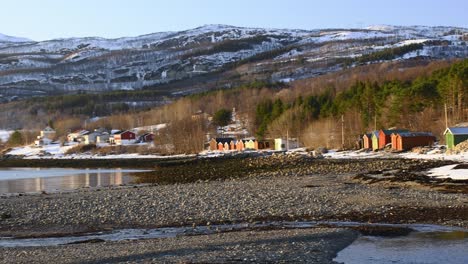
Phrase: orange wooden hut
{"type": "Point", "coordinates": [220, 143]}
{"type": "Point", "coordinates": [367, 141]}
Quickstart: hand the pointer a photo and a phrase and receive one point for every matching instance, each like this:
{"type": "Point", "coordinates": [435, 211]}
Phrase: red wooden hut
{"type": "Point", "coordinates": [385, 136]}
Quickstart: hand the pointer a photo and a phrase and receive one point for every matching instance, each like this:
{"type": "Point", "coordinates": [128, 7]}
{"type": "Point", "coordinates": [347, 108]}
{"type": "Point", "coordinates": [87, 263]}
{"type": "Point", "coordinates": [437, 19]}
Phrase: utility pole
{"type": "Point", "coordinates": [342, 132]}
{"type": "Point", "coordinates": [298, 136]}
{"type": "Point", "coordinates": [287, 140]}
{"type": "Point", "coordinates": [375, 122]}
{"type": "Point", "coordinates": [446, 116]}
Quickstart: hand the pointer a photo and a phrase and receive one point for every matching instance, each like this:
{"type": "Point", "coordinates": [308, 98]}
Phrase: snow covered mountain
{"type": "Point", "coordinates": [6, 38]}
{"type": "Point", "coordinates": [208, 57]}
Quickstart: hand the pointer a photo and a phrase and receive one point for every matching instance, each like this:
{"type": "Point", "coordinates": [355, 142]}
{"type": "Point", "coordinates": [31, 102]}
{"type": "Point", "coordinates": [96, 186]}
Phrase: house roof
{"type": "Point", "coordinates": [375, 134]}
{"type": "Point", "coordinates": [392, 131]}
{"type": "Point", "coordinates": [124, 131]}
{"type": "Point", "coordinates": [78, 133]}
{"type": "Point", "coordinates": [370, 134]}
{"type": "Point", "coordinates": [416, 134]}
{"type": "Point", "coordinates": [457, 130]}
{"type": "Point", "coordinates": [224, 140]}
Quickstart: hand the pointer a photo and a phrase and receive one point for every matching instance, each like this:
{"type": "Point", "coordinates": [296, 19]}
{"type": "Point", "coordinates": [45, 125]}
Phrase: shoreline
{"type": "Point", "coordinates": [262, 189]}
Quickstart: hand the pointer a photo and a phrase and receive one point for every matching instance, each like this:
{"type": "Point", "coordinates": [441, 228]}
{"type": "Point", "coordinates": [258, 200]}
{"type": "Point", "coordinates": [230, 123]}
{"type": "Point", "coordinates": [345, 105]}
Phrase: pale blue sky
{"type": "Point", "coordinates": [47, 19]}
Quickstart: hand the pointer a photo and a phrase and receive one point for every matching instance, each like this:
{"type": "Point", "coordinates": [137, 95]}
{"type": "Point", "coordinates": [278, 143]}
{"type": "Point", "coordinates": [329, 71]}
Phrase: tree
{"type": "Point", "coordinates": [186, 135]}
{"type": "Point", "coordinates": [277, 109]}
{"type": "Point", "coordinates": [50, 123]}
{"type": "Point", "coordinates": [222, 117]}
{"type": "Point", "coordinates": [16, 139]}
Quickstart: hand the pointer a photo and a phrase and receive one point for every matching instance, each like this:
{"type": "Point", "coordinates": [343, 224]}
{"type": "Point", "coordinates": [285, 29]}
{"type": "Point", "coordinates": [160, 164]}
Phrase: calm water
{"type": "Point", "coordinates": [22, 180]}
{"type": "Point", "coordinates": [448, 247]}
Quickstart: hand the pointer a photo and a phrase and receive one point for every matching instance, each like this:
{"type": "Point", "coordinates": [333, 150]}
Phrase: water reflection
{"type": "Point", "coordinates": [18, 181]}
{"type": "Point", "coordinates": [418, 247]}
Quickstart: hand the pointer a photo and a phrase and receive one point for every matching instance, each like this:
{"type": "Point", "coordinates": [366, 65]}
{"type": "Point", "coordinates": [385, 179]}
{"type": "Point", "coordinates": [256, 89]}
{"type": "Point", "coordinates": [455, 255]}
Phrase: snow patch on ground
{"type": "Point", "coordinates": [36, 151]}
{"type": "Point", "coordinates": [463, 157]}
{"type": "Point", "coordinates": [286, 80]}
{"type": "Point", "coordinates": [360, 154]}
{"type": "Point", "coordinates": [411, 41]}
{"type": "Point", "coordinates": [346, 35]}
{"type": "Point", "coordinates": [118, 156]}
{"type": "Point", "coordinates": [381, 27]}
{"type": "Point", "coordinates": [334, 154]}
{"type": "Point", "coordinates": [56, 151]}
{"type": "Point", "coordinates": [5, 135]}
{"type": "Point", "coordinates": [152, 128]}
{"type": "Point", "coordinates": [424, 52]}
{"type": "Point", "coordinates": [289, 54]}
{"type": "Point", "coordinates": [449, 172]}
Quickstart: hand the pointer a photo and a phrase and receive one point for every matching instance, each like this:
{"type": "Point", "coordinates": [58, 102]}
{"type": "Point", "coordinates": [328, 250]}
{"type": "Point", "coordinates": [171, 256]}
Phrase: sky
{"type": "Point", "coordinates": [49, 19]}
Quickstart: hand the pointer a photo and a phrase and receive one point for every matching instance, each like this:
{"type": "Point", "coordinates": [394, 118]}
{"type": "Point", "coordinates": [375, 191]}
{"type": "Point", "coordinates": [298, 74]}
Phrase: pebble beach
{"type": "Point", "coordinates": [303, 190]}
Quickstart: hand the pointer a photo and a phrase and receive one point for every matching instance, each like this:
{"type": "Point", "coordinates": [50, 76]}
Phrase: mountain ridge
{"type": "Point", "coordinates": [7, 38]}
{"type": "Point", "coordinates": [376, 27]}
{"type": "Point", "coordinates": [210, 56]}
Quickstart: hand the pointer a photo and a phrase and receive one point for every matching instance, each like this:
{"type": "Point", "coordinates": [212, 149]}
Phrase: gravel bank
{"type": "Point", "coordinates": [318, 245]}
{"type": "Point", "coordinates": [292, 193]}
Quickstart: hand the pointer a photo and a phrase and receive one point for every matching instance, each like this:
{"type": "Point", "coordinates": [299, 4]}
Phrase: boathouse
{"type": "Point", "coordinates": [409, 140]}
{"type": "Point", "coordinates": [385, 136]}
{"type": "Point", "coordinates": [455, 135]}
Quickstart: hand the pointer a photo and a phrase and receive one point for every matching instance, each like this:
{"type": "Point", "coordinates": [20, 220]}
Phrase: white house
{"type": "Point", "coordinates": [46, 137]}
{"type": "Point", "coordinates": [48, 132]}
{"type": "Point", "coordinates": [284, 144]}
{"type": "Point", "coordinates": [90, 138]}
{"type": "Point", "coordinates": [102, 138]}
{"type": "Point", "coordinates": [76, 136]}
{"type": "Point", "coordinates": [42, 141]}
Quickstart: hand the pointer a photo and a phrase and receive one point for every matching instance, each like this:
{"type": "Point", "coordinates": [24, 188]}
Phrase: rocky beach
{"type": "Point", "coordinates": [204, 192]}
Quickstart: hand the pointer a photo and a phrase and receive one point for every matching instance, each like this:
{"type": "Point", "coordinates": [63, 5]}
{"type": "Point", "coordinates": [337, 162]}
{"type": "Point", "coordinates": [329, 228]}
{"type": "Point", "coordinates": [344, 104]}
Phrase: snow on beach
{"type": "Point", "coordinates": [56, 151]}
{"type": "Point", "coordinates": [462, 157]}
{"type": "Point", "coordinates": [352, 154]}
{"type": "Point", "coordinates": [449, 171]}
{"type": "Point", "coordinates": [32, 151]}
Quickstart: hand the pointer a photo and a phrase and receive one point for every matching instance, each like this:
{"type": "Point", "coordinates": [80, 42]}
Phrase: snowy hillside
{"type": "Point", "coordinates": [96, 64]}
{"type": "Point", "coordinates": [5, 38]}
